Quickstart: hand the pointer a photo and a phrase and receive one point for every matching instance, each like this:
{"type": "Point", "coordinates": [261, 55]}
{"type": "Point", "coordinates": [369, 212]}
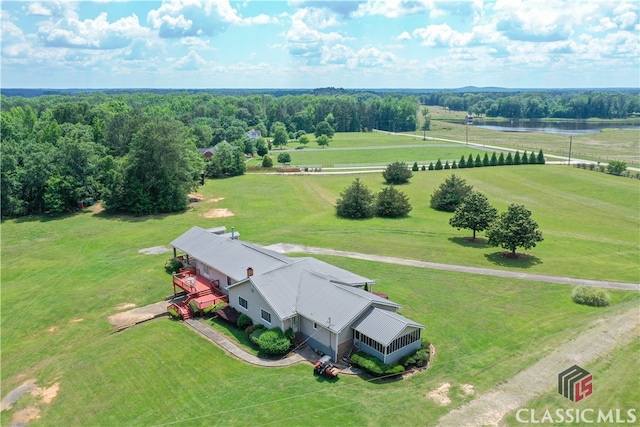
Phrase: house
{"type": "Point", "coordinates": [327, 305]}
{"type": "Point", "coordinates": [207, 152]}
{"type": "Point", "coordinates": [254, 134]}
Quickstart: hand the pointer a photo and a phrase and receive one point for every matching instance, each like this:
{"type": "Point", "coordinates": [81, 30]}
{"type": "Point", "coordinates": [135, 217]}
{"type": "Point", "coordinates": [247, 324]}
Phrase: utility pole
{"type": "Point", "coordinates": [570, 141]}
{"type": "Point", "coordinates": [467, 128]}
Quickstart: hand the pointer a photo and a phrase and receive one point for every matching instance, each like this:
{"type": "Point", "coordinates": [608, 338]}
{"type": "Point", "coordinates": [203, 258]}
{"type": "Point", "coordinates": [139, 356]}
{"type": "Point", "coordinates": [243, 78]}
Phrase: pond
{"type": "Point", "coordinates": [568, 127]}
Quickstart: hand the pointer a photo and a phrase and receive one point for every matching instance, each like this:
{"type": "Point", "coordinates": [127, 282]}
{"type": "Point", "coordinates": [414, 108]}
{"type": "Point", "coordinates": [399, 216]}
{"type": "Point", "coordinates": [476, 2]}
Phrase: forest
{"type": "Point", "coordinates": [136, 151]}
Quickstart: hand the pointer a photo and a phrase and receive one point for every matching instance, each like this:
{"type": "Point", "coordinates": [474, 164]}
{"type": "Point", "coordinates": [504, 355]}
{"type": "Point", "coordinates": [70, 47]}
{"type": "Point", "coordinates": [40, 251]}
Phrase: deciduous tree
{"type": "Point", "coordinates": [514, 229]}
{"type": "Point", "coordinates": [474, 213]}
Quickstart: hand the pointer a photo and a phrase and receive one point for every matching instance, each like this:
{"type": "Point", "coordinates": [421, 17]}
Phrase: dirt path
{"type": "Point", "coordinates": [604, 336]}
{"type": "Point", "coordinates": [289, 248]}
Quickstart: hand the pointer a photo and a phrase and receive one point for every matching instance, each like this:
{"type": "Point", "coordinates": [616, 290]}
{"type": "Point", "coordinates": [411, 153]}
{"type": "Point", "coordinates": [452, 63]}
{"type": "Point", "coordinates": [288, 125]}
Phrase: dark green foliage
{"type": "Point", "coordinates": [267, 161]}
{"type": "Point", "coordinates": [501, 161]}
{"type": "Point", "coordinates": [284, 158]}
{"type": "Point", "coordinates": [211, 308]}
{"type": "Point", "coordinates": [375, 366]}
{"type": "Point", "coordinates": [173, 313]}
{"type": "Point", "coordinates": [478, 162]}
{"type": "Point", "coordinates": [279, 134]}
{"type": "Point", "coordinates": [415, 167]}
{"type": "Point", "coordinates": [447, 165]}
{"type": "Point", "coordinates": [244, 321]}
{"type": "Point", "coordinates": [322, 141]}
{"type": "Point", "coordinates": [418, 358]}
{"type": "Point", "coordinates": [356, 202]}
{"type": "Point", "coordinates": [270, 341]}
{"type": "Point", "coordinates": [454, 165]}
{"type": "Point", "coordinates": [541, 160]}
{"type": "Point", "coordinates": [514, 228]}
{"type": "Point", "coordinates": [616, 167]}
{"type": "Point", "coordinates": [450, 194]}
{"type": "Point", "coordinates": [431, 167]}
{"type": "Point", "coordinates": [303, 139]}
{"type": "Point", "coordinates": [516, 159]}
{"type": "Point", "coordinates": [397, 173]}
{"type": "Point", "coordinates": [261, 147]}
{"type": "Point", "coordinates": [194, 307]}
{"type": "Point", "coordinates": [290, 334]}
{"type": "Point", "coordinates": [424, 168]}
{"type": "Point", "coordinates": [509, 160]}
{"type": "Point", "coordinates": [533, 159]}
{"type": "Point", "coordinates": [439, 165]}
{"type": "Point", "coordinates": [392, 203]}
{"type": "Point", "coordinates": [173, 266]}
{"type": "Point", "coordinates": [525, 158]}
{"type": "Point", "coordinates": [463, 163]}
{"type": "Point", "coordinates": [485, 159]}
{"type": "Point", "coordinates": [324, 128]}
{"type": "Point", "coordinates": [474, 213]}
{"type": "Point", "coordinates": [494, 160]}
{"type": "Point", "coordinates": [227, 161]}
{"type": "Point", "coordinates": [470, 162]}
{"type": "Point", "coordinates": [587, 295]}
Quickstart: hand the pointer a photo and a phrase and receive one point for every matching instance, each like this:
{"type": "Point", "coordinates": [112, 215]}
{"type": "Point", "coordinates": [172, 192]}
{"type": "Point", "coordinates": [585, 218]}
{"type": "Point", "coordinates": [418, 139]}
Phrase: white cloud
{"type": "Point", "coordinates": [303, 37]}
{"type": "Point", "coordinates": [191, 61]}
{"type": "Point", "coordinates": [91, 33]}
{"type": "Point", "coordinates": [50, 8]}
{"type": "Point", "coordinates": [442, 35]}
{"type": "Point", "coordinates": [188, 18]}
{"type": "Point", "coordinates": [535, 20]}
{"type": "Point", "coordinates": [403, 36]}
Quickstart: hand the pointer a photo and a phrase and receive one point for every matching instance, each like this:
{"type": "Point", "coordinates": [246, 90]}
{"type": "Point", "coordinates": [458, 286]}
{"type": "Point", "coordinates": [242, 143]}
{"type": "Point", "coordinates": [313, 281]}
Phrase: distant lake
{"type": "Point", "coordinates": [569, 127]}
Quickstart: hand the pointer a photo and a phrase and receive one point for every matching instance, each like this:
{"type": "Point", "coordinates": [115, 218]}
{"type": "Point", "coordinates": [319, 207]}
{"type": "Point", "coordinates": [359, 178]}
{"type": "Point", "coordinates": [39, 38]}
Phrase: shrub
{"type": "Point", "coordinates": [244, 321]}
{"type": "Point", "coordinates": [194, 307]}
{"type": "Point", "coordinates": [454, 165]}
{"type": "Point", "coordinates": [284, 158]}
{"type": "Point", "coordinates": [586, 295]}
{"type": "Point", "coordinates": [173, 313]}
{"type": "Point", "coordinates": [211, 308]}
{"type": "Point", "coordinates": [375, 366]}
{"type": "Point", "coordinates": [446, 165]}
{"type": "Point", "coordinates": [397, 173]}
{"type": "Point", "coordinates": [392, 203]}
{"type": "Point", "coordinates": [270, 341]}
{"type": "Point", "coordinates": [424, 168]}
{"type": "Point", "coordinates": [290, 334]}
{"type": "Point", "coordinates": [439, 165]}
{"type": "Point", "coordinates": [418, 358]}
{"type": "Point", "coordinates": [415, 167]}
{"type": "Point", "coordinates": [173, 266]}
{"type": "Point", "coordinates": [267, 161]}
{"type": "Point", "coordinates": [431, 166]}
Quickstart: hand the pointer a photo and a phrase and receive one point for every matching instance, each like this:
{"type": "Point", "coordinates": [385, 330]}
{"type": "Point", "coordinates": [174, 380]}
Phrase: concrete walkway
{"type": "Point", "coordinates": [289, 248]}
{"type": "Point", "coordinates": [233, 349]}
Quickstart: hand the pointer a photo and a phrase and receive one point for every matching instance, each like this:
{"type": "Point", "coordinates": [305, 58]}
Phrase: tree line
{"type": "Point", "coordinates": [538, 105]}
{"type": "Point", "coordinates": [137, 152]}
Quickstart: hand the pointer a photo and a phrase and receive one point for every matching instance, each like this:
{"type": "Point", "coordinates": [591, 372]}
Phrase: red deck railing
{"type": "Point", "coordinates": [202, 291]}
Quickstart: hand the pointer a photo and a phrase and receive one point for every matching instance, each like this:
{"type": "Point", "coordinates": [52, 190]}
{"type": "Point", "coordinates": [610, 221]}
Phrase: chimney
{"type": "Point", "coordinates": [233, 233]}
{"type": "Point", "coordinates": [249, 271]}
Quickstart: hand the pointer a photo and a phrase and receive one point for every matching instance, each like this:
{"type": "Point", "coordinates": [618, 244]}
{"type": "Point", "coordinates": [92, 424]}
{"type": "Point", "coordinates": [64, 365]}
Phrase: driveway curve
{"type": "Point", "coordinates": [290, 248]}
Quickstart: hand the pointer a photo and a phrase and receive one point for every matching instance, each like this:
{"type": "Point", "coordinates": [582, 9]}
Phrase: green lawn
{"type": "Point", "coordinates": [62, 277]}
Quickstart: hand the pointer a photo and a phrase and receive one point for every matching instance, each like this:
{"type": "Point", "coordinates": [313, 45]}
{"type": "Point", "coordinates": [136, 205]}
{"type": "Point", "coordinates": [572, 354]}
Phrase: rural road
{"type": "Point", "coordinates": [289, 248]}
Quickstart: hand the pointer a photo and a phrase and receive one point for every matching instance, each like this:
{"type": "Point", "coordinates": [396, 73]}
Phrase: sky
{"type": "Point", "coordinates": [314, 43]}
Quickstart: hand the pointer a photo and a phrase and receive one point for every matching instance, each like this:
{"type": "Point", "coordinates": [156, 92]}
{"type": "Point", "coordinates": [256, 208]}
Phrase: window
{"type": "Point", "coordinates": [265, 315]}
{"type": "Point", "coordinates": [243, 303]}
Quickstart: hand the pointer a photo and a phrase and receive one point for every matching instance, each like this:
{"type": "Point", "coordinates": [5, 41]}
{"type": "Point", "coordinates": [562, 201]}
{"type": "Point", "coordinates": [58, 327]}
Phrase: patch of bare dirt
{"type": "Point", "coordinates": [216, 200]}
{"type": "Point", "coordinates": [154, 250]}
{"type": "Point", "coordinates": [468, 389]}
{"type": "Point", "coordinates": [12, 397]}
{"type": "Point", "coordinates": [218, 213]}
{"type": "Point", "coordinates": [52, 329]}
{"type": "Point", "coordinates": [125, 305]}
{"type": "Point", "coordinates": [25, 415]}
{"type": "Point", "coordinates": [46, 395]}
{"type": "Point", "coordinates": [76, 320]}
{"type": "Point", "coordinates": [441, 394]}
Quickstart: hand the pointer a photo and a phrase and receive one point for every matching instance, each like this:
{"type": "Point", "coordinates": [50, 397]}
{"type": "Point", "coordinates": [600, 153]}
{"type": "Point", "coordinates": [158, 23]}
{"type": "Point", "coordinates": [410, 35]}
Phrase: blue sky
{"type": "Point", "coordinates": [310, 44]}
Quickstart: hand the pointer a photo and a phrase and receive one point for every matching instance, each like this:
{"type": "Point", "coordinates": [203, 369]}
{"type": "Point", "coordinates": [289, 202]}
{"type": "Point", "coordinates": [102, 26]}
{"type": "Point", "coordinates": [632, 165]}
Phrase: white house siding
{"type": "Point", "coordinates": [255, 303]}
{"type": "Point", "coordinates": [398, 354]}
{"type": "Point", "coordinates": [318, 339]}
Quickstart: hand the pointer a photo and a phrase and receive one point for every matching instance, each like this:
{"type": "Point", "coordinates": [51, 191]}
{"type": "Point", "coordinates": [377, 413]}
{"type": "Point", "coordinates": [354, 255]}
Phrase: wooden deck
{"type": "Point", "coordinates": [202, 291]}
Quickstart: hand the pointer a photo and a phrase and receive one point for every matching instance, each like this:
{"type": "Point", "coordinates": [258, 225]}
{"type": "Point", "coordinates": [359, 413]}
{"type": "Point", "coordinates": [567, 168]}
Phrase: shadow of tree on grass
{"type": "Point", "coordinates": [505, 259]}
{"type": "Point", "coordinates": [469, 242]}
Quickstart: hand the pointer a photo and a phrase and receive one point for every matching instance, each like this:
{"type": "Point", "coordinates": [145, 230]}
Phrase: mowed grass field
{"type": "Point", "coordinates": [63, 276]}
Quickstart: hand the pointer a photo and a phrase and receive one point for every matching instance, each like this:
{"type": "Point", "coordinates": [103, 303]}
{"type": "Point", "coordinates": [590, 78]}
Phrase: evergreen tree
{"type": "Point", "coordinates": [431, 166]}
{"type": "Point", "coordinates": [509, 160]}
{"type": "Point", "coordinates": [478, 161]}
{"type": "Point", "coordinates": [541, 160]}
{"type": "Point", "coordinates": [485, 160]}
{"type": "Point", "coordinates": [415, 167]}
{"type": "Point", "coordinates": [438, 165]}
{"type": "Point", "coordinates": [470, 163]}
{"type": "Point", "coordinates": [397, 173]}
{"type": "Point", "coordinates": [494, 160]}
{"type": "Point", "coordinates": [454, 165]}
{"type": "Point", "coordinates": [356, 201]}
{"type": "Point", "coordinates": [392, 203]}
{"type": "Point", "coordinates": [450, 194]}
{"type": "Point", "coordinates": [463, 163]}
{"type": "Point", "coordinates": [516, 159]}
{"type": "Point", "coordinates": [501, 159]}
{"type": "Point", "coordinates": [533, 159]}
{"type": "Point", "coordinates": [525, 158]}
{"type": "Point", "coordinates": [446, 164]}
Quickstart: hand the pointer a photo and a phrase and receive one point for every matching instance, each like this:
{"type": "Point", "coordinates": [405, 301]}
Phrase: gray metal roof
{"type": "Point", "coordinates": [383, 326]}
{"type": "Point", "coordinates": [231, 257]}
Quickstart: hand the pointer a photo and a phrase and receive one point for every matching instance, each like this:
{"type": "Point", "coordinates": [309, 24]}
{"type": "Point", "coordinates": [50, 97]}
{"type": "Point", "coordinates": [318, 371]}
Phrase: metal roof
{"type": "Point", "coordinates": [230, 257]}
{"type": "Point", "coordinates": [382, 325]}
